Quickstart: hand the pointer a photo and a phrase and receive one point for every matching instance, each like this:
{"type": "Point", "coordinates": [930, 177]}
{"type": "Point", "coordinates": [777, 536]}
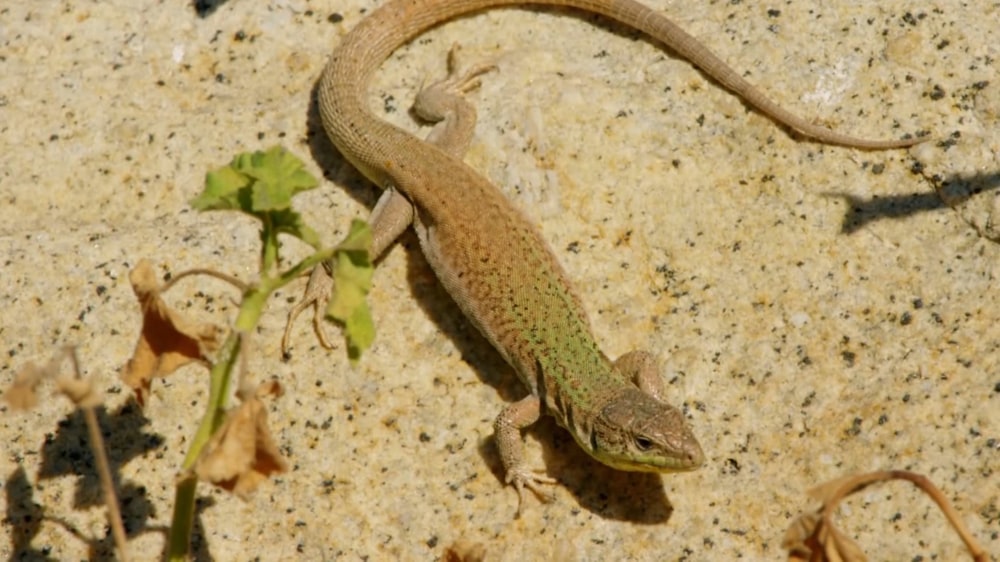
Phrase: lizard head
{"type": "Point", "coordinates": [637, 432]}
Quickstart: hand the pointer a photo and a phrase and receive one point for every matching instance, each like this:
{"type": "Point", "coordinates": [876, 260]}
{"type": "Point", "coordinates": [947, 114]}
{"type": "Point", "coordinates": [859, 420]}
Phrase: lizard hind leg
{"type": "Point", "coordinates": [444, 104]}
{"type": "Point", "coordinates": [391, 216]}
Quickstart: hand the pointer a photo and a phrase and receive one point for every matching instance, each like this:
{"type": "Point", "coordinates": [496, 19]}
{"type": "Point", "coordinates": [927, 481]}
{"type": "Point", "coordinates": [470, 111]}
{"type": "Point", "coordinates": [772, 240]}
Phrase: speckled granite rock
{"type": "Point", "coordinates": [818, 310]}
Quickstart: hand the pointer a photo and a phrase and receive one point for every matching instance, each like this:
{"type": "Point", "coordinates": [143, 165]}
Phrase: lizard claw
{"type": "Point", "coordinates": [522, 479]}
{"type": "Point", "coordinates": [464, 79]}
{"type": "Point", "coordinates": [316, 294]}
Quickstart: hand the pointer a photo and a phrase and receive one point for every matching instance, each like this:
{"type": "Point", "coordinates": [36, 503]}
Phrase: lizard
{"type": "Point", "coordinates": [491, 259]}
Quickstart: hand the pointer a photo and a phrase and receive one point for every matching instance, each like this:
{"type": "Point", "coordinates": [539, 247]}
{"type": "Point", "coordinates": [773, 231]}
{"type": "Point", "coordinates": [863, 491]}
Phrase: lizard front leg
{"type": "Point", "coordinates": [507, 431]}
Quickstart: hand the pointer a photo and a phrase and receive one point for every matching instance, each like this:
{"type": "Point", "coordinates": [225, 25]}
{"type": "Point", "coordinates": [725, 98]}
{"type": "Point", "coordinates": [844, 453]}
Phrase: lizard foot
{"type": "Point", "coordinates": [436, 101]}
{"type": "Point", "coordinates": [464, 80]}
{"type": "Point", "coordinates": [316, 294]}
{"type": "Point", "coordinates": [523, 479]}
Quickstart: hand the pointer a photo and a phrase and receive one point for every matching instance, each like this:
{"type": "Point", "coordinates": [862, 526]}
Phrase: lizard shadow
{"type": "Point", "coordinates": [629, 496]}
{"type": "Point", "coordinates": [949, 192]}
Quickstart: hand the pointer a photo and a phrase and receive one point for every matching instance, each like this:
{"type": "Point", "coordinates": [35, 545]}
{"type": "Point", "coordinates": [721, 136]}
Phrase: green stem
{"type": "Point", "coordinates": [251, 308]}
{"type": "Point", "coordinates": [183, 520]}
{"type": "Point", "coordinates": [215, 414]}
{"type": "Point", "coordinates": [269, 246]}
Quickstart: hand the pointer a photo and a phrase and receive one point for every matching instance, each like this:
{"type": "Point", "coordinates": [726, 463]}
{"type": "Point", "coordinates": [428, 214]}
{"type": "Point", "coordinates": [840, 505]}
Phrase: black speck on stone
{"type": "Point", "coordinates": [848, 357]}
{"type": "Point", "coordinates": [335, 18]}
{"type": "Point", "coordinates": [772, 13]}
{"type": "Point", "coordinates": [855, 428]}
{"type": "Point", "coordinates": [906, 319]}
{"type": "Point", "coordinates": [877, 169]}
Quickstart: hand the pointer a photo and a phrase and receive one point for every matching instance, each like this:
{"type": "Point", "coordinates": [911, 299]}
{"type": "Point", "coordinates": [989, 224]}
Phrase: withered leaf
{"type": "Point", "coordinates": [814, 537]}
{"type": "Point", "coordinates": [22, 394]}
{"type": "Point", "coordinates": [242, 453]}
{"type": "Point", "coordinates": [464, 551]}
{"type": "Point", "coordinates": [80, 391]}
{"type": "Point", "coordinates": [168, 341]}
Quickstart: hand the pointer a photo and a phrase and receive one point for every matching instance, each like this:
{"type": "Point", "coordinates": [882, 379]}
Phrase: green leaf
{"type": "Point", "coordinates": [262, 185]}
{"type": "Point", "coordinates": [358, 239]}
{"type": "Point", "coordinates": [360, 331]}
{"type": "Point", "coordinates": [352, 279]}
{"type": "Point", "coordinates": [279, 176]}
{"type": "Point", "coordinates": [290, 222]}
{"type": "Point", "coordinates": [222, 190]}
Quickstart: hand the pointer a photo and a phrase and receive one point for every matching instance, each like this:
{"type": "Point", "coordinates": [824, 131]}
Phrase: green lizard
{"type": "Point", "coordinates": [491, 259]}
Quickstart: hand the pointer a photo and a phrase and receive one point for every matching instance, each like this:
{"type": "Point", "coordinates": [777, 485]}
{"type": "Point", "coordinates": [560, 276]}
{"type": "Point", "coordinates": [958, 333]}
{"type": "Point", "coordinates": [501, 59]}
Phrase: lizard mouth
{"type": "Point", "coordinates": [663, 463]}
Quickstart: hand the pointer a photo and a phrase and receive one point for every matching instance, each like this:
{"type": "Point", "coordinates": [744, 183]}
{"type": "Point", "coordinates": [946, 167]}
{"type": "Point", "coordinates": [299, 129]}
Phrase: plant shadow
{"type": "Point", "coordinates": [67, 452]}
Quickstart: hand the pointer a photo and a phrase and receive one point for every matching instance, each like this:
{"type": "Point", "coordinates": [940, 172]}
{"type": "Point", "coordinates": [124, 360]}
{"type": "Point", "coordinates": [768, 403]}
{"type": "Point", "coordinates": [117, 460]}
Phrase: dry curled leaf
{"type": "Point", "coordinates": [242, 453]}
{"type": "Point", "coordinates": [168, 341]}
{"type": "Point", "coordinates": [22, 393]}
{"type": "Point", "coordinates": [80, 391]}
{"type": "Point", "coordinates": [815, 538]}
{"type": "Point", "coordinates": [464, 551]}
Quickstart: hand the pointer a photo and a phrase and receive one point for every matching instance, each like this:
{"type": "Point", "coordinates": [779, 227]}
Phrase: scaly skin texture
{"type": "Point", "coordinates": [494, 263]}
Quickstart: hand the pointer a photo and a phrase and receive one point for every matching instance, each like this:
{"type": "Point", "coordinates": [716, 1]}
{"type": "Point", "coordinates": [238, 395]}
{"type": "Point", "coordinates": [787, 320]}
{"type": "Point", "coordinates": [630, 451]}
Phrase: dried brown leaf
{"type": "Point", "coordinates": [168, 341]}
{"type": "Point", "coordinates": [797, 536]}
{"type": "Point", "coordinates": [242, 453]}
{"type": "Point", "coordinates": [464, 551]}
{"type": "Point", "coordinates": [814, 537]}
{"type": "Point", "coordinates": [80, 391]}
{"type": "Point", "coordinates": [834, 490]}
{"type": "Point", "coordinates": [838, 547]}
{"type": "Point", "coordinates": [22, 394]}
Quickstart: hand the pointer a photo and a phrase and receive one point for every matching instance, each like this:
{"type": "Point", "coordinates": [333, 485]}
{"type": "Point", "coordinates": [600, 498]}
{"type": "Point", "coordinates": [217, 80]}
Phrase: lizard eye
{"type": "Point", "coordinates": [643, 443]}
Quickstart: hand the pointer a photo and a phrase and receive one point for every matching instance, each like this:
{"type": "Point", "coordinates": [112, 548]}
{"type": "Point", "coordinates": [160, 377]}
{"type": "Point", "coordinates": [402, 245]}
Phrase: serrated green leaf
{"type": "Point", "coordinates": [352, 281]}
{"type": "Point", "coordinates": [222, 190]}
{"type": "Point", "coordinates": [352, 276]}
{"type": "Point", "coordinates": [290, 222]}
{"type": "Point", "coordinates": [279, 175]}
{"type": "Point", "coordinates": [360, 332]}
{"type": "Point", "coordinates": [359, 237]}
